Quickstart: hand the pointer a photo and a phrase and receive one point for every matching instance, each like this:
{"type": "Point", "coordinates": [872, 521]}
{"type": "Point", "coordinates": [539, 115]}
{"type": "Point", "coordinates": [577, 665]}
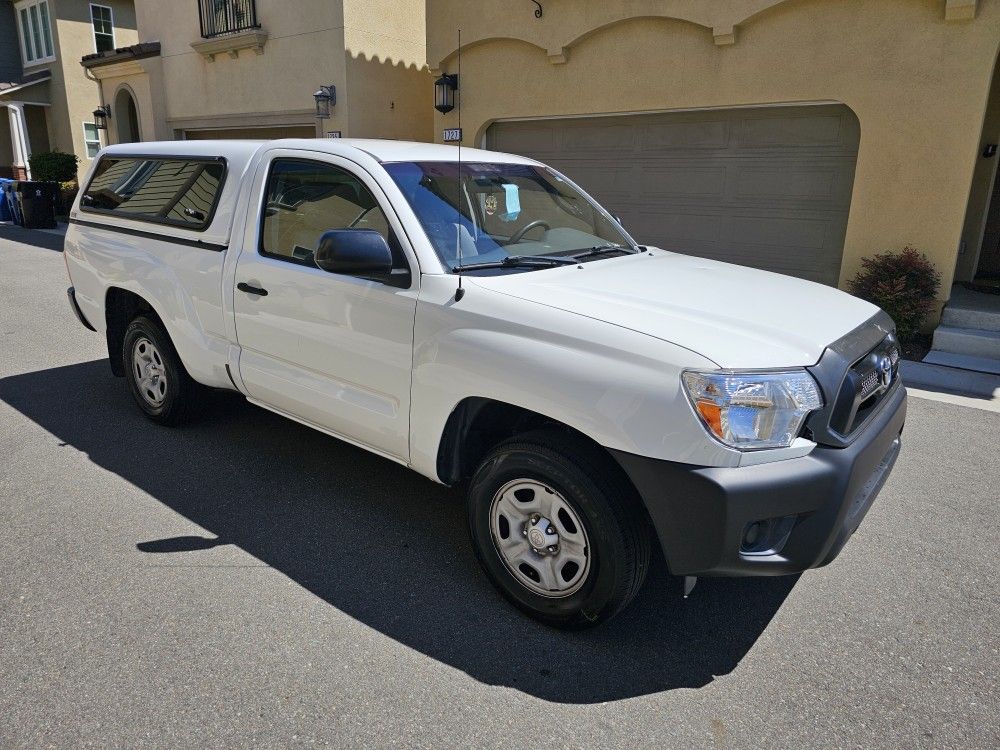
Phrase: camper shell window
{"type": "Point", "coordinates": [178, 191]}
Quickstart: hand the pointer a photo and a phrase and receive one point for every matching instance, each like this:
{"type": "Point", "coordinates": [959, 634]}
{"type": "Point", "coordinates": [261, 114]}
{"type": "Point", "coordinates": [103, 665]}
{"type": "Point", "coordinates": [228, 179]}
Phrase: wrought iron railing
{"type": "Point", "coordinates": [220, 17]}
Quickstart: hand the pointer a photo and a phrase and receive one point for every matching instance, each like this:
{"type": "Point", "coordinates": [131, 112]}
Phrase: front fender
{"type": "Point", "coordinates": [619, 387]}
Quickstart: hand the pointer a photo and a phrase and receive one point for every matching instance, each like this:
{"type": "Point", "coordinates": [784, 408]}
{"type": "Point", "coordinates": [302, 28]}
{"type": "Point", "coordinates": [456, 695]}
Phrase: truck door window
{"type": "Point", "coordinates": [307, 198]}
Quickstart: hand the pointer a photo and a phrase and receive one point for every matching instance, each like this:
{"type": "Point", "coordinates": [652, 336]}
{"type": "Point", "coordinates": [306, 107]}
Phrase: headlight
{"type": "Point", "coordinates": [753, 410]}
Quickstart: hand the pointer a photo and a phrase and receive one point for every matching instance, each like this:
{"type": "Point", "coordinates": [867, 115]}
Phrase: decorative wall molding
{"type": "Point", "coordinates": [558, 56]}
{"type": "Point", "coordinates": [231, 44]}
{"type": "Point", "coordinates": [722, 20]}
{"type": "Point", "coordinates": [724, 35]}
{"type": "Point", "coordinates": [960, 10]}
{"type": "Point", "coordinates": [116, 70]}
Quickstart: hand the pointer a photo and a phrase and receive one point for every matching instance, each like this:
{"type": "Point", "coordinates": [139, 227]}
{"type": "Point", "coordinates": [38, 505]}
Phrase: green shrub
{"type": "Point", "coordinates": [904, 284]}
{"type": "Point", "coordinates": [53, 166]}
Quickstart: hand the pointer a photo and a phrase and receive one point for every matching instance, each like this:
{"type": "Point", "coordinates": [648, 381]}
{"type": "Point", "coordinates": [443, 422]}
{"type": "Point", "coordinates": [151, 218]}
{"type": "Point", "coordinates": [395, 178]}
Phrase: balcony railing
{"type": "Point", "coordinates": [220, 17]}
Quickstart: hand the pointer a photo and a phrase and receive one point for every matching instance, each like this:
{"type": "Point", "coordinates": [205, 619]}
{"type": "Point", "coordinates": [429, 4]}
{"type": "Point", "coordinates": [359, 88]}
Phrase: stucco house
{"type": "Point", "coordinates": [250, 68]}
{"type": "Point", "coordinates": [46, 100]}
{"type": "Point", "coordinates": [792, 135]}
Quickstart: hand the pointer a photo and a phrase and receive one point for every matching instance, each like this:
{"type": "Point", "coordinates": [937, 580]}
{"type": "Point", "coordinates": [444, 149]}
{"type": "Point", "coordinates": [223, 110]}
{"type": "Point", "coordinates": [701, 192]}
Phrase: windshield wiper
{"type": "Point", "coordinates": [518, 261]}
{"type": "Point", "coordinates": [601, 250]}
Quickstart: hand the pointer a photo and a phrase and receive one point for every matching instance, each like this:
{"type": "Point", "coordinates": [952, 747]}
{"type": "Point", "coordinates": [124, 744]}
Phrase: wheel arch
{"type": "Point", "coordinates": [477, 424]}
{"type": "Point", "coordinates": [121, 307]}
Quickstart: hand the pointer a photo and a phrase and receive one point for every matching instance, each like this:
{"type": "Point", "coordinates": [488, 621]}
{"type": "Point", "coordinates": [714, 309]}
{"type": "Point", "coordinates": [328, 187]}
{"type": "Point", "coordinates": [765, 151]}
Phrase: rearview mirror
{"type": "Point", "coordinates": [363, 253]}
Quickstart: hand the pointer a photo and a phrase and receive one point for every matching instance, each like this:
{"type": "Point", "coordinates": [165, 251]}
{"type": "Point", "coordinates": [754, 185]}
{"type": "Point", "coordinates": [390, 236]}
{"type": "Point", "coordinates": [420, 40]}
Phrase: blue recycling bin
{"type": "Point", "coordinates": [6, 213]}
{"type": "Point", "coordinates": [12, 200]}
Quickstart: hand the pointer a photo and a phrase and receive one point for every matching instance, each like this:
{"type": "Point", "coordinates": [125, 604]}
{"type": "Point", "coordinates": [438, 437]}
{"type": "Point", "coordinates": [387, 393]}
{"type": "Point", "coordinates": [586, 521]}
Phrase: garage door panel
{"type": "Point", "coordinates": [777, 233]}
{"type": "Point", "coordinates": [599, 138]}
{"type": "Point", "coordinates": [261, 133]}
{"type": "Point", "coordinates": [790, 132]}
{"type": "Point", "coordinates": [760, 183]}
{"type": "Point", "coordinates": [665, 184]}
{"type": "Point", "coordinates": [685, 135]}
{"type": "Point", "coordinates": [769, 188]}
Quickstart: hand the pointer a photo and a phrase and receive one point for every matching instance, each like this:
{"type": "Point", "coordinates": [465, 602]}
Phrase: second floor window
{"type": "Point", "coordinates": [35, 31]}
{"type": "Point", "coordinates": [104, 28]}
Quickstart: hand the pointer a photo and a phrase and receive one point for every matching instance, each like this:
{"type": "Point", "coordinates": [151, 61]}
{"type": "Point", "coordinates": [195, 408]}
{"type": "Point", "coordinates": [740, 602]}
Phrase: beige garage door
{"type": "Point", "coordinates": [263, 134]}
{"type": "Point", "coordinates": [767, 187]}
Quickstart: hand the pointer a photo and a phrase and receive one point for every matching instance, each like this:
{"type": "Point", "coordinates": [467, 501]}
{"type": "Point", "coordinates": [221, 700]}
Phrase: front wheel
{"type": "Point", "coordinates": [557, 530]}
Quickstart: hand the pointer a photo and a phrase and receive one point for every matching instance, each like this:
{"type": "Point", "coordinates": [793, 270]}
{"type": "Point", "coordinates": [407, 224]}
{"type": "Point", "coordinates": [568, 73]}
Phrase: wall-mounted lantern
{"type": "Point", "coordinates": [325, 98]}
{"type": "Point", "coordinates": [101, 116]}
{"type": "Point", "coordinates": [444, 93]}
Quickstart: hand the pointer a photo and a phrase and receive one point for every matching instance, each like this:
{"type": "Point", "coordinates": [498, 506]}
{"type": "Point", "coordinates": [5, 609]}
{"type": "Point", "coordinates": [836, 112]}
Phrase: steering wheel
{"type": "Point", "coordinates": [519, 234]}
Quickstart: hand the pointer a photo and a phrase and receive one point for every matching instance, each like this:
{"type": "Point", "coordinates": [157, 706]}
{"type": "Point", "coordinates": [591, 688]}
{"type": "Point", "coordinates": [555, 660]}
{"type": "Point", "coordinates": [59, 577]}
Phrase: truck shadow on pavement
{"type": "Point", "coordinates": [385, 546]}
{"type": "Point", "coordinates": [35, 237]}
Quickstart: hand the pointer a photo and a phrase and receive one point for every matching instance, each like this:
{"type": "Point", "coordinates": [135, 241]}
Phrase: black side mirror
{"type": "Point", "coordinates": [355, 252]}
{"type": "Point", "coordinates": [617, 218]}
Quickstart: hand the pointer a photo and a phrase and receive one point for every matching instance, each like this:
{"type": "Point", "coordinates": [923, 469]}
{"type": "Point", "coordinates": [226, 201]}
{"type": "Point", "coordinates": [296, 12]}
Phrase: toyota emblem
{"type": "Point", "coordinates": [885, 371]}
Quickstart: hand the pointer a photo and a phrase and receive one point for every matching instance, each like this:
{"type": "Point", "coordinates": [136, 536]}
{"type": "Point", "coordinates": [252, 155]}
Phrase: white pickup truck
{"type": "Point", "coordinates": [483, 321]}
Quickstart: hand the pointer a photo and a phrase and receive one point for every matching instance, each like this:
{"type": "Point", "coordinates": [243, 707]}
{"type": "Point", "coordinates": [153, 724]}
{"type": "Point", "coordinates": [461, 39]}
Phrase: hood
{"type": "Point", "coordinates": [736, 316]}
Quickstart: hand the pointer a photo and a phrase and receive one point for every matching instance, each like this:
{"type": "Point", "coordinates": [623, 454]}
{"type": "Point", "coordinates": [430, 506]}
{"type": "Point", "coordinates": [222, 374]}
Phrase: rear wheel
{"type": "Point", "coordinates": [557, 530]}
{"type": "Point", "coordinates": [155, 376]}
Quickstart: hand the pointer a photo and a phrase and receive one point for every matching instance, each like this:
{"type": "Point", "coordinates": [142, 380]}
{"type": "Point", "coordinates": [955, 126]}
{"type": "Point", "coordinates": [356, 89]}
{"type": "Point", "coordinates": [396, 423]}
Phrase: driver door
{"type": "Point", "coordinates": [332, 351]}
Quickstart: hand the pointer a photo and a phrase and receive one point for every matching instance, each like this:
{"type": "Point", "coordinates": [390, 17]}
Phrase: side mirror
{"type": "Point", "coordinates": [617, 218]}
{"type": "Point", "coordinates": [355, 252]}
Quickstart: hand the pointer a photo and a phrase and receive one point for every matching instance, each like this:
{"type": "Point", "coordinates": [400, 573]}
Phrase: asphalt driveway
{"type": "Point", "coordinates": [246, 581]}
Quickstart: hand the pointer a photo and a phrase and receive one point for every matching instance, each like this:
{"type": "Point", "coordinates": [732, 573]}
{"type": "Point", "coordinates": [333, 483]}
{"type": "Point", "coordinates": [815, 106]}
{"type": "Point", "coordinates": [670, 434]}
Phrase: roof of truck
{"type": "Point", "coordinates": [381, 150]}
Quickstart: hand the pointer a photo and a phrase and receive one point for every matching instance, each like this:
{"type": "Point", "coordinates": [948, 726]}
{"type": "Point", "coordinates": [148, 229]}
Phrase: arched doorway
{"type": "Point", "coordinates": [126, 117]}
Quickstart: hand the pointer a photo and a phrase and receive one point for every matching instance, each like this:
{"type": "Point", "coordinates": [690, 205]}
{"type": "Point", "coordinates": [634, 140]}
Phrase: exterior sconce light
{"type": "Point", "coordinates": [444, 93]}
{"type": "Point", "coordinates": [101, 116]}
{"type": "Point", "coordinates": [325, 98]}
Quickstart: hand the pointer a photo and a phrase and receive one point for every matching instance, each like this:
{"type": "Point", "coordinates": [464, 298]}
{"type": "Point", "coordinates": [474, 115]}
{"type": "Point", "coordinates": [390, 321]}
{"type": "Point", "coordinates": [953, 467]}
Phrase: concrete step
{"type": "Point", "coordinates": [970, 341]}
{"type": "Point", "coordinates": [965, 317]}
{"type": "Point", "coordinates": [963, 362]}
{"type": "Point", "coordinates": [927, 376]}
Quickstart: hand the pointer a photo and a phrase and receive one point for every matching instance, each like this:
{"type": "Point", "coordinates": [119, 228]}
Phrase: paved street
{"type": "Point", "coordinates": [247, 581]}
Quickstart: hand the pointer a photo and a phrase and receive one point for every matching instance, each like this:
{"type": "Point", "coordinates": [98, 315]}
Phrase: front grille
{"type": "Point", "coordinates": [866, 385]}
{"type": "Point", "coordinates": [856, 373]}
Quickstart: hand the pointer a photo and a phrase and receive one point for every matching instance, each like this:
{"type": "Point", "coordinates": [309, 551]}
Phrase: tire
{"type": "Point", "coordinates": [561, 474]}
{"type": "Point", "coordinates": [154, 373]}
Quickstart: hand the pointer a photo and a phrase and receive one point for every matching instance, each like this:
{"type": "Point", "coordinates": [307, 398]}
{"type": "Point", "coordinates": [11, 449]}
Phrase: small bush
{"type": "Point", "coordinates": [53, 166]}
{"type": "Point", "coordinates": [904, 284]}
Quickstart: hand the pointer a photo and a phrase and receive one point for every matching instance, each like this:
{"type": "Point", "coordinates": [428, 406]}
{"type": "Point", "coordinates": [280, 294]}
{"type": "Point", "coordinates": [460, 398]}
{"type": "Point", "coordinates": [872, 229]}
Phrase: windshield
{"type": "Point", "coordinates": [504, 211]}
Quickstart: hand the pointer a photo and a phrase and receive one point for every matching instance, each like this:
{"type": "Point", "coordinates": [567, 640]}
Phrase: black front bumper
{"type": "Point", "coordinates": [701, 514]}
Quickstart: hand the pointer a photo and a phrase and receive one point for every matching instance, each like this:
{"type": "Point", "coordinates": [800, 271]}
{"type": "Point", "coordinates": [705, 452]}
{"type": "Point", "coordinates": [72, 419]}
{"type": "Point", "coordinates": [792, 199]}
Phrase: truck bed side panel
{"type": "Point", "coordinates": [182, 283]}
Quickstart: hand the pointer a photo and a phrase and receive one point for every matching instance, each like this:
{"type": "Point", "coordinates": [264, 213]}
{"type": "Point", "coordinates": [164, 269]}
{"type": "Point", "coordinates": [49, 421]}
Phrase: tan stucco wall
{"type": "Point", "coordinates": [367, 54]}
{"type": "Point", "coordinates": [141, 78]}
{"type": "Point", "coordinates": [74, 96]}
{"type": "Point", "coordinates": [35, 120]}
{"type": "Point", "coordinates": [389, 90]}
{"type": "Point", "coordinates": [916, 81]}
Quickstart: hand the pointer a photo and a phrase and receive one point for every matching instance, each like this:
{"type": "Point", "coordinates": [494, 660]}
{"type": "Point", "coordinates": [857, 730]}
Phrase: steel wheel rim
{"type": "Point", "coordinates": [540, 538]}
{"type": "Point", "coordinates": [149, 372]}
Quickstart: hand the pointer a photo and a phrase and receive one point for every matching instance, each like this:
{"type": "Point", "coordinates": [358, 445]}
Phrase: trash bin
{"type": "Point", "coordinates": [5, 214]}
{"type": "Point", "coordinates": [9, 188]}
{"type": "Point", "coordinates": [38, 204]}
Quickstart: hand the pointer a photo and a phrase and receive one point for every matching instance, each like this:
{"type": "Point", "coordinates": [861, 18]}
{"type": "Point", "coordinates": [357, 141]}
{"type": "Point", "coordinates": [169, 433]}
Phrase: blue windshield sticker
{"type": "Point", "coordinates": [512, 202]}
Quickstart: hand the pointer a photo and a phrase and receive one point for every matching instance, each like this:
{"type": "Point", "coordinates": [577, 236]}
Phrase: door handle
{"type": "Point", "coordinates": [244, 287]}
